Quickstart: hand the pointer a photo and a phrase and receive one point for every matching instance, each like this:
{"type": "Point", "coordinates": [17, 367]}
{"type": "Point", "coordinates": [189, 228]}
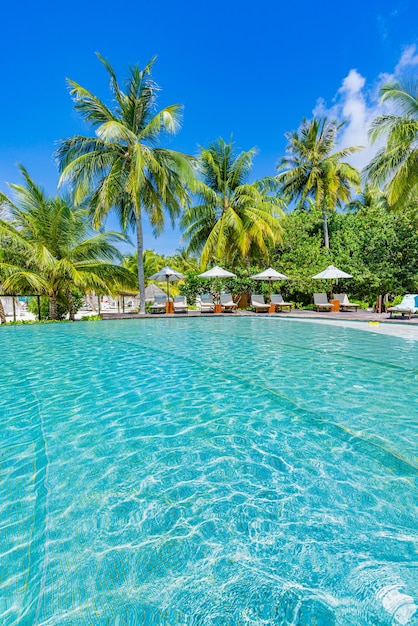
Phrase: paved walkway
{"type": "Point", "coordinates": [352, 316]}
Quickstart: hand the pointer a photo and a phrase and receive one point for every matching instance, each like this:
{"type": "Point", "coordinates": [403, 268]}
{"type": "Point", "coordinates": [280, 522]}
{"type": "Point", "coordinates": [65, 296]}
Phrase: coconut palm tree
{"type": "Point", "coordinates": [234, 220]}
{"type": "Point", "coordinates": [313, 170]}
{"type": "Point", "coordinates": [370, 196]}
{"type": "Point", "coordinates": [183, 261]}
{"type": "Point", "coordinates": [396, 164]}
{"type": "Point", "coordinates": [152, 262]}
{"type": "Point", "coordinates": [51, 247]}
{"type": "Point", "coordinates": [121, 167]}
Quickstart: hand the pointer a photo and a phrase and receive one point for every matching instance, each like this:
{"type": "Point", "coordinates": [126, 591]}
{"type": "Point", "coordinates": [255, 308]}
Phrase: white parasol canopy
{"type": "Point", "coordinates": [167, 274]}
{"type": "Point", "coordinates": [217, 272]}
{"type": "Point", "coordinates": [269, 274]}
{"type": "Point", "coordinates": [332, 272]}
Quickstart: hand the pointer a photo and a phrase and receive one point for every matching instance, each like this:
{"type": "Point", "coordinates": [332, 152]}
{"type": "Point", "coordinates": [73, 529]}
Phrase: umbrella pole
{"type": "Point", "coordinates": [168, 307]}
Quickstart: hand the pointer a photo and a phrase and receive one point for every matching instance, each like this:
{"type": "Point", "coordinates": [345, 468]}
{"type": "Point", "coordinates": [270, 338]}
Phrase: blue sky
{"type": "Point", "coordinates": [252, 71]}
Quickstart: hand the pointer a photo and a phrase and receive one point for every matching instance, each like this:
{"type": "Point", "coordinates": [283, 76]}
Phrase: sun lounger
{"type": "Point", "coordinates": [159, 304]}
{"type": "Point", "coordinates": [258, 304]}
{"type": "Point", "coordinates": [227, 303]}
{"type": "Point", "coordinates": [408, 306]}
{"type": "Point", "coordinates": [206, 303]}
{"type": "Point", "coordinates": [279, 303]}
{"type": "Point", "coordinates": [180, 304]}
{"type": "Point", "coordinates": [321, 302]}
{"type": "Point", "coordinates": [345, 305]}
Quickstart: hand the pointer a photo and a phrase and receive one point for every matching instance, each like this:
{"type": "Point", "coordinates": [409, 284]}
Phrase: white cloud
{"type": "Point", "coordinates": [359, 104]}
{"type": "Point", "coordinates": [353, 83]}
{"type": "Point", "coordinates": [409, 57]}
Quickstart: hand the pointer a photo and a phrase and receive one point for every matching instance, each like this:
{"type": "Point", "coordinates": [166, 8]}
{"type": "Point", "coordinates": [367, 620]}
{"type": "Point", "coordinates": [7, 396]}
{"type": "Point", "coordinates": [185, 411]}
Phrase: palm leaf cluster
{"type": "Point", "coordinates": [233, 219]}
{"type": "Point", "coordinates": [49, 246]}
{"type": "Point", "coordinates": [122, 167]}
{"type": "Point", "coordinates": [313, 170]}
{"type": "Point", "coordinates": [396, 164]}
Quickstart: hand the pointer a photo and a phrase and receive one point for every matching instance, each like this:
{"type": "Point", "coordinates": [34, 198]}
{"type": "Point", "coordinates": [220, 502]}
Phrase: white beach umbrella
{"type": "Point", "coordinates": [167, 274]}
{"type": "Point", "coordinates": [332, 272]}
{"type": "Point", "coordinates": [217, 272]}
{"type": "Point", "coordinates": [269, 274]}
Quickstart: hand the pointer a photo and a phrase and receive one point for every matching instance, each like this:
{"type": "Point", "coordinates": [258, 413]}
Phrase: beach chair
{"type": "Point", "coordinates": [206, 303]}
{"type": "Point", "coordinates": [180, 304]}
{"type": "Point", "coordinates": [279, 303]}
{"type": "Point", "coordinates": [345, 304]}
{"type": "Point", "coordinates": [408, 306]}
{"type": "Point", "coordinates": [321, 302]}
{"type": "Point", "coordinates": [258, 304]}
{"type": "Point", "coordinates": [159, 304]}
{"type": "Point", "coordinates": [228, 305]}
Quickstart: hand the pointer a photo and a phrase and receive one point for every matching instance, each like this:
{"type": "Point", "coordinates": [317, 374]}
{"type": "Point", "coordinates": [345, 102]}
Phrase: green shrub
{"type": "Point", "coordinates": [91, 318]}
{"type": "Point", "coordinates": [63, 307]}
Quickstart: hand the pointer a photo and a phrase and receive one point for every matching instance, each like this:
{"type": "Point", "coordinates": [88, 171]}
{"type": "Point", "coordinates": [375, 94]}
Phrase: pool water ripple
{"type": "Point", "coordinates": [207, 472]}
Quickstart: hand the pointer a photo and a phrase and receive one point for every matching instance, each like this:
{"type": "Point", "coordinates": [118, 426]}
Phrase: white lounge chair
{"type": "Point", "coordinates": [227, 303]}
{"type": "Point", "coordinates": [258, 304]}
{"type": "Point", "coordinates": [345, 304]}
{"type": "Point", "coordinates": [180, 304]}
{"type": "Point", "coordinates": [206, 303]}
{"type": "Point", "coordinates": [408, 306]}
{"type": "Point", "coordinates": [321, 302]}
{"type": "Point", "coordinates": [159, 304]}
{"type": "Point", "coordinates": [279, 303]}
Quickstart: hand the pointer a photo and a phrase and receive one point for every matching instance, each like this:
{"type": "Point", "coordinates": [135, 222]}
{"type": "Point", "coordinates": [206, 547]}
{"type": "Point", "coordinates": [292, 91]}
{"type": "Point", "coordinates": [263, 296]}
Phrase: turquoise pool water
{"type": "Point", "coordinates": [238, 471]}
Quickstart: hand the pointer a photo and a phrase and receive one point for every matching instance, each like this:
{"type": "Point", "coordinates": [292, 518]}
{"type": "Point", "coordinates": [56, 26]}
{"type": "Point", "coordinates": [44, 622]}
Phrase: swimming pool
{"type": "Point", "coordinates": [209, 472]}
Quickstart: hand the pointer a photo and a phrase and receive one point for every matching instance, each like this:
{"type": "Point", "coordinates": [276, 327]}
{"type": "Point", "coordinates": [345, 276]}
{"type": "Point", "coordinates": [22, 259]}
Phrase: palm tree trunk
{"type": "Point", "coordinates": [140, 248]}
{"type": "Point", "coordinates": [53, 307]}
{"type": "Point", "coordinates": [2, 313]}
{"type": "Point", "coordinates": [70, 303]}
{"type": "Point", "coordinates": [325, 225]}
{"type": "Point", "coordinates": [90, 300]}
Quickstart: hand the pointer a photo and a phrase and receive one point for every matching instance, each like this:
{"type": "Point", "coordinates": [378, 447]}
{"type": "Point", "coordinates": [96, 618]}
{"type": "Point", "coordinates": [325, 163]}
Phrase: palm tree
{"type": "Point", "coordinates": [151, 260]}
{"type": "Point", "coordinates": [51, 247]}
{"type": "Point", "coordinates": [370, 197]}
{"type": "Point", "coordinates": [396, 164]}
{"type": "Point", "coordinates": [183, 261]}
{"type": "Point", "coordinates": [121, 167]}
{"type": "Point", "coordinates": [234, 220]}
{"type": "Point", "coordinates": [312, 170]}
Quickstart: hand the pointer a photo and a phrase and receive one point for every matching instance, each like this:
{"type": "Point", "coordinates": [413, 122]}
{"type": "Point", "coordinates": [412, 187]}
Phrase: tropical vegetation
{"type": "Point", "coordinates": [396, 163]}
{"type": "Point", "coordinates": [48, 247]}
{"type": "Point", "coordinates": [122, 168]}
{"type": "Point", "coordinates": [313, 170]}
{"type": "Point", "coordinates": [233, 221]}
{"type": "Point", "coordinates": [56, 247]}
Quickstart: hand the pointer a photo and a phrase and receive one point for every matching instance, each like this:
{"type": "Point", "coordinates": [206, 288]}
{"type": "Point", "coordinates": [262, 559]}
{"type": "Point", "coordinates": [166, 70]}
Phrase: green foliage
{"type": "Point", "coordinates": [63, 305]}
{"type": "Point", "coordinates": [194, 286]}
{"type": "Point", "coordinates": [121, 168]}
{"type": "Point", "coordinates": [48, 247]}
{"type": "Point", "coordinates": [377, 246]}
{"type": "Point", "coordinates": [301, 255]}
{"type": "Point", "coordinates": [314, 171]}
{"type": "Point", "coordinates": [232, 220]}
{"type": "Point", "coordinates": [91, 318]}
{"type": "Point", "coordinates": [396, 163]}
